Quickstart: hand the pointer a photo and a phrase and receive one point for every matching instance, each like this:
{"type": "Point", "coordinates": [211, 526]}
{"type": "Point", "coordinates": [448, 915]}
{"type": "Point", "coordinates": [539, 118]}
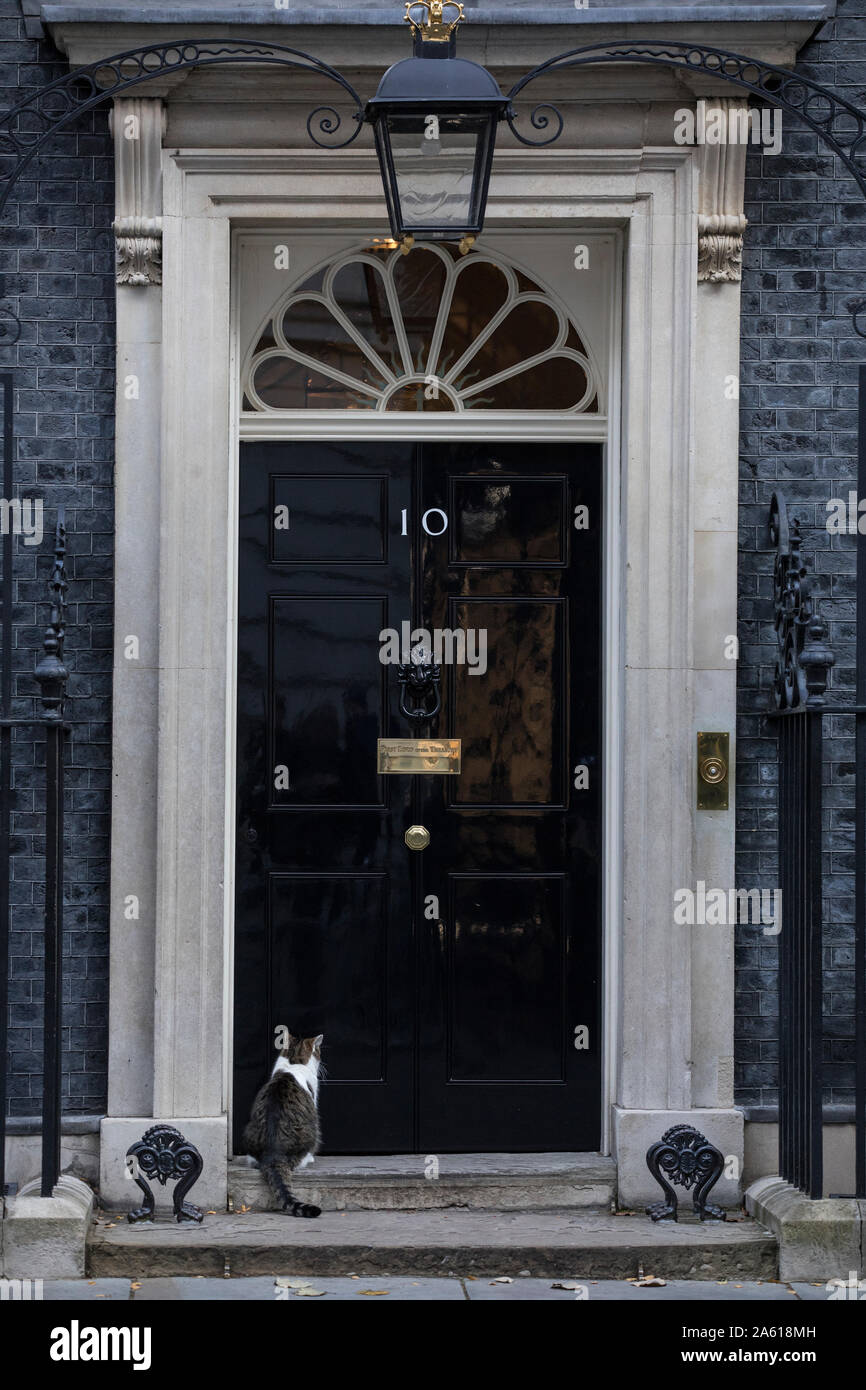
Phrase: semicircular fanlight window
{"type": "Point", "coordinates": [431, 331]}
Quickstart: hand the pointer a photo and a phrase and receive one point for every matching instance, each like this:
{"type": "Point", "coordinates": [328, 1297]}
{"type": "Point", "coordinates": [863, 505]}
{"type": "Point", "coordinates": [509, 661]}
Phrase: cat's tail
{"type": "Point", "coordinates": [278, 1175]}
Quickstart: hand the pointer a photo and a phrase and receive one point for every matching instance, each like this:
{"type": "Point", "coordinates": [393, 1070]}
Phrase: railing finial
{"type": "Point", "coordinates": [51, 673]}
{"type": "Point", "coordinates": [804, 656]}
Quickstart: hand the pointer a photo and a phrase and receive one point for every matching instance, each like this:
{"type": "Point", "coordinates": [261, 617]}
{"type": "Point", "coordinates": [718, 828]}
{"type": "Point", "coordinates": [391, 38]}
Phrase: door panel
{"type": "Point", "coordinates": [323, 922]}
{"type": "Point", "coordinates": [329, 940]}
{"type": "Point", "coordinates": [329, 699]}
{"type": "Point", "coordinates": [513, 968]}
{"type": "Point", "coordinates": [448, 983]}
{"type": "Point", "coordinates": [514, 712]}
{"type": "Point", "coordinates": [506, 945]}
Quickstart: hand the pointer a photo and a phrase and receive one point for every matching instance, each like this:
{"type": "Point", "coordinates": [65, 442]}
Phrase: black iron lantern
{"type": "Point", "coordinates": [434, 118]}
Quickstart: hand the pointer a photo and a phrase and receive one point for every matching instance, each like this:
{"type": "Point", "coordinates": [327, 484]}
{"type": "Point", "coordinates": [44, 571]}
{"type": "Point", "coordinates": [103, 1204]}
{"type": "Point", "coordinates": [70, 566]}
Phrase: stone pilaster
{"type": "Point", "coordinates": [137, 128]}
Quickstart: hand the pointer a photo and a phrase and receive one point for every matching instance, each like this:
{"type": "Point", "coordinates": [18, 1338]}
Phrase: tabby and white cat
{"type": "Point", "coordinates": [283, 1129]}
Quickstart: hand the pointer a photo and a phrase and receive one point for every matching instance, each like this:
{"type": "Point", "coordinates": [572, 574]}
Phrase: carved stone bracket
{"type": "Point", "coordinates": [721, 220]}
{"type": "Point", "coordinates": [720, 248]}
{"type": "Point", "coordinates": [138, 126]}
{"type": "Point", "coordinates": [138, 243]}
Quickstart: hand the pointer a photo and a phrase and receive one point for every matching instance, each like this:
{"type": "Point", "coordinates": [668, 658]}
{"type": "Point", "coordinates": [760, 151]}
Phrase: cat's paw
{"type": "Point", "coordinates": [307, 1209]}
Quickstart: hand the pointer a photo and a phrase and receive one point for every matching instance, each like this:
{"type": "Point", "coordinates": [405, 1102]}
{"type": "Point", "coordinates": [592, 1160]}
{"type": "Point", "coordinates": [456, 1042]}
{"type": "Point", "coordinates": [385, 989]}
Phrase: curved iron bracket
{"type": "Point", "coordinates": [840, 124]}
{"type": "Point", "coordinates": [25, 128]}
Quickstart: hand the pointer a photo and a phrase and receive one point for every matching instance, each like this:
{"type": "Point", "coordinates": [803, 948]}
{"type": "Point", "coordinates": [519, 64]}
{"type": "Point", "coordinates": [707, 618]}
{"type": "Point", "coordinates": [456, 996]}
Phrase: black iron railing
{"type": "Point", "coordinates": [6, 388]}
{"type": "Point", "coordinates": [802, 665]}
{"type": "Point", "coordinates": [51, 675]}
{"type": "Point", "coordinates": [801, 746]}
{"type": "Point", "coordinates": [804, 659]}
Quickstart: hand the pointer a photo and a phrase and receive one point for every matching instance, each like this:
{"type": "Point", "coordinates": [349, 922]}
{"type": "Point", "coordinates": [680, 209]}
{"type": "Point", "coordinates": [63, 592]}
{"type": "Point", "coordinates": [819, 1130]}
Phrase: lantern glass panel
{"type": "Point", "coordinates": [438, 165]}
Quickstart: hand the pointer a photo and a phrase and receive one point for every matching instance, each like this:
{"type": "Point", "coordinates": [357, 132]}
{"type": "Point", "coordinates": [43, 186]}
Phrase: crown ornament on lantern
{"type": "Point", "coordinates": [437, 19]}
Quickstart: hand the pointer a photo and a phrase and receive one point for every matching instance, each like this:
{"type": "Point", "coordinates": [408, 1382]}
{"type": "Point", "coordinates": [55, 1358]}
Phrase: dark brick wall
{"type": "Point", "coordinates": [56, 259]}
{"type": "Point", "coordinates": [804, 263]}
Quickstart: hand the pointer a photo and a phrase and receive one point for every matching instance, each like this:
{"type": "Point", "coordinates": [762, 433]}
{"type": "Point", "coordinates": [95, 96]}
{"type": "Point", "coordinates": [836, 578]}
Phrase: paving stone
{"type": "Point", "coordinates": [610, 1290]}
{"type": "Point", "coordinates": [86, 1290]}
{"type": "Point", "coordinates": [369, 1289]}
{"type": "Point", "coordinates": [262, 1290]}
{"type": "Point", "coordinates": [377, 1288]}
{"type": "Point", "coordinates": [186, 1289]}
{"type": "Point", "coordinates": [811, 1293]}
{"type": "Point", "coordinates": [524, 1290]}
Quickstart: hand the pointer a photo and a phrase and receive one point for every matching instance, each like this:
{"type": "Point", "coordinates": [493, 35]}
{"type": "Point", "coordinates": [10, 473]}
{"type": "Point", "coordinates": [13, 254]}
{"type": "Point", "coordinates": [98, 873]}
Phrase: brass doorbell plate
{"type": "Point", "coordinates": [714, 771]}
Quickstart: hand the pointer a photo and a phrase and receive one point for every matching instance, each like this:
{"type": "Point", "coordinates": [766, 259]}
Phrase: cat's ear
{"type": "Point", "coordinates": [317, 1042]}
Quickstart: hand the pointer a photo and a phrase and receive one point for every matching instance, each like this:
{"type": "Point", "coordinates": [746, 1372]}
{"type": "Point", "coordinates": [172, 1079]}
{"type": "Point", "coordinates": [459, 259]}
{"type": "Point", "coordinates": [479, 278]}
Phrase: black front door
{"type": "Point", "coordinates": [458, 986]}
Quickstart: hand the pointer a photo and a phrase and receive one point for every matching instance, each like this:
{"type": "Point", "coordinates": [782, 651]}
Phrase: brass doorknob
{"type": "Point", "coordinates": [417, 837]}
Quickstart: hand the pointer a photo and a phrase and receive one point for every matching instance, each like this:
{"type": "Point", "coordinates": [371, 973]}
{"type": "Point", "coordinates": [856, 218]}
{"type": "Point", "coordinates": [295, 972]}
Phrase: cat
{"type": "Point", "coordinates": [283, 1129]}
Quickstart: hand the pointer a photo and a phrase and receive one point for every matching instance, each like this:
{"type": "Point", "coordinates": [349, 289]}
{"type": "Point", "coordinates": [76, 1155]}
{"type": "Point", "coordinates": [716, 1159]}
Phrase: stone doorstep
{"type": "Point", "coordinates": [479, 1182]}
{"type": "Point", "coordinates": [580, 1244]}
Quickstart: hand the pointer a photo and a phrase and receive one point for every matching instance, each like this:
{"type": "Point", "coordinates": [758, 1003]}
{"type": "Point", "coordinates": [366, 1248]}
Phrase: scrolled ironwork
{"type": "Point", "coordinates": [686, 1157]}
{"type": "Point", "coordinates": [539, 121]}
{"type": "Point", "coordinates": [838, 122]}
{"type": "Point", "coordinates": [164, 1154]}
{"type": "Point", "coordinates": [803, 656]}
{"type": "Point", "coordinates": [25, 127]}
{"type": "Point", "coordinates": [329, 123]}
